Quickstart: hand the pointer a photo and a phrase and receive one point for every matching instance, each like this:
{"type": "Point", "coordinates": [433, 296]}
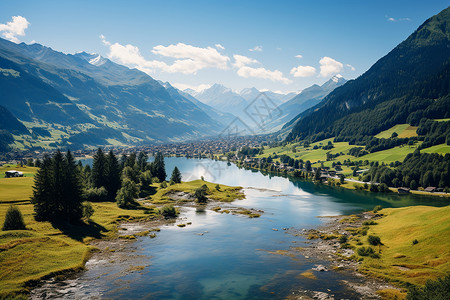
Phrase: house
{"type": "Point", "coordinates": [430, 189]}
{"type": "Point", "coordinates": [403, 190]}
{"type": "Point", "coordinates": [13, 173]}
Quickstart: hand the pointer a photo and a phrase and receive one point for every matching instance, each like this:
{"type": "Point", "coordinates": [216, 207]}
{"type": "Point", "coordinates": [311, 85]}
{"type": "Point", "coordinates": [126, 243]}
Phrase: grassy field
{"type": "Point", "coordinates": [401, 260]}
{"type": "Point", "coordinates": [403, 131]}
{"type": "Point", "coordinates": [441, 149]}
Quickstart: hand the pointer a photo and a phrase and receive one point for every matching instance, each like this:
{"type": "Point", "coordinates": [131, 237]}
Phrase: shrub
{"type": "Point", "coordinates": [168, 211]}
{"type": "Point", "coordinates": [88, 210]}
{"type": "Point", "coordinates": [377, 208]}
{"type": "Point", "coordinates": [343, 239]}
{"type": "Point", "coordinates": [218, 187]}
{"type": "Point", "coordinates": [163, 185]}
{"type": "Point", "coordinates": [415, 242]}
{"type": "Point", "coordinates": [370, 222]}
{"type": "Point", "coordinates": [365, 251]}
{"type": "Point", "coordinates": [200, 194]}
{"type": "Point", "coordinates": [13, 219]}
{"type": "Point", "coordinates": [96, 194]}
{"type": "Point", "coordinates": [433, 290]}
{"type": "Point", "coordinates": [374, 240]}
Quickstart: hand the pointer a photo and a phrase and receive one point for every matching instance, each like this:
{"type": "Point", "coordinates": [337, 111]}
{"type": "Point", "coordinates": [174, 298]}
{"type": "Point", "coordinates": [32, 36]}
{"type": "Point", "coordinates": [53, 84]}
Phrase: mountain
{"type": "Point", "coordinates": [9, 125]}
{"type": "Point", "coordinates": [410, 83]}
{"type": "Point", "coordinates": [303, 101]}
{"type": "Point", "coordinates": [87, 100]}
{"type": "Point", "coordinates": [240, 104]}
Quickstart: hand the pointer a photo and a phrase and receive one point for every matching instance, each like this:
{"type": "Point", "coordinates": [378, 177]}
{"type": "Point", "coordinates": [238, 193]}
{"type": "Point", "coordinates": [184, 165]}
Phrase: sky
{"type": "Point", "coordinates": [281, 46]}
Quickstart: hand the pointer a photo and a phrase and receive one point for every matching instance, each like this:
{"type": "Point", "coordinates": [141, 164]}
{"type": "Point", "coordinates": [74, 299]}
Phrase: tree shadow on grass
{"type": "Point", "coordinates": [81, 230]}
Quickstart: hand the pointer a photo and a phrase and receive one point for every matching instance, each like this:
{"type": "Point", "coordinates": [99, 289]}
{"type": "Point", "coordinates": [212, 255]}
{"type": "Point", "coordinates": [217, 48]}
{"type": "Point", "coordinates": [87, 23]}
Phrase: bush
{"type": "Point", "coordinates": [365, 251]}
{"type": "Point", "coordinates": [96, 194]}
{"type": "Point", "coordinates": [218, 187]}
{"type": "Point", "coordinates": [377, 208]}
{"type": "Point", "coordinates": [168, 211]}
{"type": "Point", "coordinates": [13, 219]}
{"type": "Point", "coordinates": [163, 185]}
{"type": "Point", "coordinates": [200, 194]}
{"type": "Point", "coordinates": [415, 242]}
{"type": "Point", "coordinates": [88, 210]}
{"type": "Point", "coordinates": [371, 222]}
{"type": "Point", "coordinates": [343, 239]}
{"type": "Point", "coordinates": [433, 290]}
{"type": "Point", "coordinates": [374, 240]}
{"type": "Point", "coordinates": [127, 193]}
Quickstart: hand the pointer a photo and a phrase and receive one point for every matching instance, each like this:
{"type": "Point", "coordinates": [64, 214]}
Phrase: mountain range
{"type": "Point", "coordinates": [87, 100]}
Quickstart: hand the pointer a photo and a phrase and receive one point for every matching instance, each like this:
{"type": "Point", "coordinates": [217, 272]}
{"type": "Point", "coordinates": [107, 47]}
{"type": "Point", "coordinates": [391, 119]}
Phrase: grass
{"type": "Point", "coordinates": [403, 131]}
{"type": "Point", "coordinates": [401, 261]}
{"type": "Point", "coordinates": [441, 149]}
{"type": "Point", "coordinates": [224, 194]}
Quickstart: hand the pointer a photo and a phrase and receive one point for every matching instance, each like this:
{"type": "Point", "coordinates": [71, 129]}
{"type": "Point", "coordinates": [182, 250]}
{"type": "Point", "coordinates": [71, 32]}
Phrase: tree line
{"type": "Point", "coordinates": [61, 185]}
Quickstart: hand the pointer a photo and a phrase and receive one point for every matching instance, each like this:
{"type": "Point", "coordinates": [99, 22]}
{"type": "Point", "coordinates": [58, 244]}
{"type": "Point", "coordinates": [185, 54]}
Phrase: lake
{"type": "Point", "coordinates": [224, 256]}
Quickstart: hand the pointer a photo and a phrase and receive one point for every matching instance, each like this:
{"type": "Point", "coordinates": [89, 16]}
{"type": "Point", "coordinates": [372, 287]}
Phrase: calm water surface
{"type": "Point", "coordinates": [232, 259]}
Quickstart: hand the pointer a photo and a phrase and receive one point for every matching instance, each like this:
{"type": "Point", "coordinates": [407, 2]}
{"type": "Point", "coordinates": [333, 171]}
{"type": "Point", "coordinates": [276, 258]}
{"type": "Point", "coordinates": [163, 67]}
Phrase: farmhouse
{"type": "Point", "coordinates": [13, 173]}
{"type": "Point", "coordinates": [403, 190]}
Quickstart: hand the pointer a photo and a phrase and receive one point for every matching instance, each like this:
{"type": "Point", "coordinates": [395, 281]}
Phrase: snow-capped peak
{"type": "Point", "coordinates": [97, 61]}
{"type": "Point", "coordinates": [337, 77]}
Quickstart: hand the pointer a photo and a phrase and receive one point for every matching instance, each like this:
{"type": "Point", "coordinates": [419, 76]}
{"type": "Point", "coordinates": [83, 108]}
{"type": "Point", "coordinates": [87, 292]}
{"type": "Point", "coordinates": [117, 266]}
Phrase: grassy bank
{"type": "Point", "coordinates": [415, 246]}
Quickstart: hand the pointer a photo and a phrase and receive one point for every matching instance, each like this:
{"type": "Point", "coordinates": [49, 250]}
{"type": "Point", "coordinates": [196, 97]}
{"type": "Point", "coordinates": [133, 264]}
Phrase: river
{"type": "Point", "coordinates": [224, 256]}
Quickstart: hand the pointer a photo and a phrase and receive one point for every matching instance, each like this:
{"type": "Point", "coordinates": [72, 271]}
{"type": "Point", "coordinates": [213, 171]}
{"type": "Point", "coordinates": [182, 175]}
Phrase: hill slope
{"type": "Point", "coordinates": [410, 82]}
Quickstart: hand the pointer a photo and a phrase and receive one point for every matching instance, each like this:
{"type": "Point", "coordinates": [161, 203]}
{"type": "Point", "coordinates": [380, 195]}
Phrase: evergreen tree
{"type": "Point", "coordinates": [99, 169]}
{"type": "Point", "coordinates": [142, 161]}
{"type": "Point", "coordinates": [13, 219]}
{"type": "Point", "coordinates": [176, 175]}
{"type": "Point", "coordinates": [159, 168]}
{"type": "Point", "coordinates": [43, 191]}
{"type": "Point", "coordinates": [72, 194]}
{"type": "Point", "coordinates": [127, 193]}
{"type": "Point", "coordinates": [113, 176]}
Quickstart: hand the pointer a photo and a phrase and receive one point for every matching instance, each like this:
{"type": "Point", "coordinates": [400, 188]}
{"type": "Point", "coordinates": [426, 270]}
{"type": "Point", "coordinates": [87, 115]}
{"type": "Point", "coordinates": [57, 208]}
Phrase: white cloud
{"type": "Point", "coordinates": [303, 71]}
{"type": "Point", "coordinates": [256, 48]}
{"type": "Point", "coordinates": [219, 46]}
{"type": "Point", "coordinates": [329, 66]}
{"type": "Point", "coordinates": [240, 61]}
{"type": "Point", "coordinates": [390, 19]}
{"type": "Point", "coordinates": [299, 56]}
{"type": "Point", "coordinates": [351, 67]}
{"type": "Point", "coordinates": [15, 28]}
{"type": "Point", "coordinates": [197, 88]}
{"type": "Point", "coordinates": [263, 73]}
{"type": "Point", "coordinates": [188, 59]}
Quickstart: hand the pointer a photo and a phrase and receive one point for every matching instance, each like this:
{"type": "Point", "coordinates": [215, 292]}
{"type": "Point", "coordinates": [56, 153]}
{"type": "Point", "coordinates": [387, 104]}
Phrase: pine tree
{"type": "Point", "coordinates": [142, 161]}
{"type": "Point", "coordinates": [43, 191]}
{"type": "Point", "coordinates": [99, 171]}
{"type": "Point", "coordinates": [72, 195]}
{"type": "Point", "coordinates": [159, 168]}
{"type": "Point", "coordinates": [176, 175]}
{"type": "Point", "coordinates": [113, 176]}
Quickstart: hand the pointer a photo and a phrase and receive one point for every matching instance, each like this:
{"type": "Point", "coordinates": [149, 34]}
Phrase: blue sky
{"type": "Point", "coordinates": [276, 45]}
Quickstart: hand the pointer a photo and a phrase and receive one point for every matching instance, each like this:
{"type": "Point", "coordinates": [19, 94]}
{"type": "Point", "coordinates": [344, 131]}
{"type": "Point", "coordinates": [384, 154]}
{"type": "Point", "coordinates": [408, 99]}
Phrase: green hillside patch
{"type": "Point", "coordinates": [442, 120]}
{"type": "Point", "coordinates": [390, 155]}
{"type": "Point", "coordinates": [415, 244]}
{"type": "Point", "coordinates": [441, 149]}
{"type": "Point", "coordinates": [403, 131]}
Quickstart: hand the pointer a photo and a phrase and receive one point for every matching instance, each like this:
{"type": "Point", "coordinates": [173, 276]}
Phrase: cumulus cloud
{"type": "Point", "coordinates": [303, 71]}
{"type": "Point", "coordinates": [299, 56]}
{"type": "Point", "coordinates": [329, 66]}
{"type": "Point", "coordinates": [240, 61]}
{"type": "Point", "coordinates": [15, 28]}
{"type": "Point", "coordinates": [351, 67]}
{"type": "Point", "coordinates": [256, 48]}
{"type": "Point", "coordinates": [244, 70]}
{"type": "Point", "coordinates": [197, 88]}
{"type": "Point", "coordinates": [263, 73]}
{"type": "Point", "coordinates": [220, 47]}
{"type": "Point", "coordinates": [188, 59]}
